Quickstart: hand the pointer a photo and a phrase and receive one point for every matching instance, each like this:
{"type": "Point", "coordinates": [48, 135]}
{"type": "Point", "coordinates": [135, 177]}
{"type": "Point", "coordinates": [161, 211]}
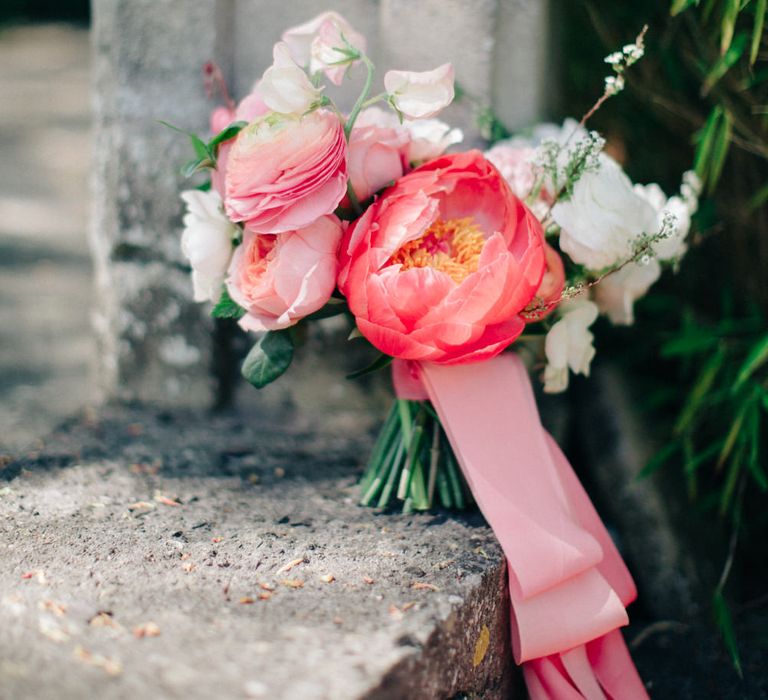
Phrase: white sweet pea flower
{"type": "Point", "coordinates": [314, 44]}
{"type": "Point", "coordinates": [332, 50]}
{"type": "Point", "coordinates": [420, 94]}
{"type": "Point", "coordinates": [602, 217]}
{"type": "Point", "coordinates": [430, 138]}
{"type": "Point", "coordinates": [206, 242]}
{"type": "Point", "coordinates": [285, 87]}
{"type": "Point", "coordinates": [673, 247]}
{"type": "Point", "coordinates": [568, 344]}
{"type": "Point", "coordinates": [616, 294]}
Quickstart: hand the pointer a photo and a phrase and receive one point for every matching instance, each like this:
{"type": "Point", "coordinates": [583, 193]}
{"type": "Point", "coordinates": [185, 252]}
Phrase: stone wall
{"type": "Point", "coordinates": [154, 342]}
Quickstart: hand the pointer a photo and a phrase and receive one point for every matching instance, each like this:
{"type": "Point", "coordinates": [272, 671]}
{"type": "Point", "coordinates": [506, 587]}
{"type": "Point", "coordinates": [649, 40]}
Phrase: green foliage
{"type": "Point", "coordinates": [269, 358]}
{"type": "Point", "coordinates": [205, 153]}
{"type": "Point", "coordinates": [227, 307]}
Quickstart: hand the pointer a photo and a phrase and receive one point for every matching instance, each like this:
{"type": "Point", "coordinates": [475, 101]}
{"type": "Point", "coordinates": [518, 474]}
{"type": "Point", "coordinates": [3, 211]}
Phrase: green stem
{"type": "Point", "coordinates": [391, 478]}
{"type": "Point", "coordinates": [380, 449]}
{"type": "Point", "coordinates": [363, 97]}
{"type": "Point", "coordinates": [434, 460]}
{"type": "Point", "coordinates": [414, 446]}
{"type": "Point", "coordinates": [373, 100]}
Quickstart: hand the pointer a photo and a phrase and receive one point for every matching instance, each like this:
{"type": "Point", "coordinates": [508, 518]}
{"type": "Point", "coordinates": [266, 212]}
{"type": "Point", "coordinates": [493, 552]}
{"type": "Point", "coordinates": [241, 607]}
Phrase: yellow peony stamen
{"type": "Point", "coordinates": [453, 246]}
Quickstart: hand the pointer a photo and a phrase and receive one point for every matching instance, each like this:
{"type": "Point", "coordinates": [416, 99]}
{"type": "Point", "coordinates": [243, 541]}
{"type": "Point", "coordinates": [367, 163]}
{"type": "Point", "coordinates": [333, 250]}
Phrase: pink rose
{"type": "Point", "coordinates": [378, 152]}
{"type": "Point", "coordinates": [281, 278]}
{"type": "Point", "coordinates": [285, 171]}
{"type": "Point", "coordinates": [441, 266]}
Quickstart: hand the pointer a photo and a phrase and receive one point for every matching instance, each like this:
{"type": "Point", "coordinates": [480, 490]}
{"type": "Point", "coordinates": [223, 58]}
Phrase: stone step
{"type": "Point", "coordinates": [241, 547]}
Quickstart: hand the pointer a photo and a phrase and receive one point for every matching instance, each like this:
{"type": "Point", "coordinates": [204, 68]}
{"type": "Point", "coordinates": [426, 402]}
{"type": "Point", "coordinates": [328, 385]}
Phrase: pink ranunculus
{"type": "Point", "coordinates": [281, 278]}
{"type": "Point", "coordinates": [551, 288]}
{"type": "Point", "coordinates": [251, 107]}
{"type": "Point", "coordinates": [440, 267]}
{"type": "Point", "coordinates": [378, 152]}
{"type": "Point", "coordinates": [285, 171]}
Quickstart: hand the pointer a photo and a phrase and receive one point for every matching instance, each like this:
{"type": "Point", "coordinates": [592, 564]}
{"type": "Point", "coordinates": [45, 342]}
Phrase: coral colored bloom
{"type": "Point", "coordinates": [420, 94]}
{"type": "Point", "coordinates": [440, 267]}
{"type": "Point", "coordinates": [551, 288]}
{"type": "Point", "coordinates": [281, 278]}
{"type": "Point", "coordinates": [284, 171]}
{"type": "Point", "coordinates": [378, 152]}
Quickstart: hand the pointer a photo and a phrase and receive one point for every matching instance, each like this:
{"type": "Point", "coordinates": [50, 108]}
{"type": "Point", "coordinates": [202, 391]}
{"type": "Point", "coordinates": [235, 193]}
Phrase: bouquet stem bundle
{"type": "Point", "coordinates": [412, 463]}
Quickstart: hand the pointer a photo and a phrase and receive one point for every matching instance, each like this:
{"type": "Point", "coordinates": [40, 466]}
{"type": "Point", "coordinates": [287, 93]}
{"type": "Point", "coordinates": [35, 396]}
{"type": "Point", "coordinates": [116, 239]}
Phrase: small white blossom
{"type": "Point", "coordinates": [568, 344]}
{"type": "Point", "coordinates": [615, 58]}
{"type": "Point", "coordinates": [418, 95]}
{"type": "Point", "coordinates": [285, 87]}
{"type": "Point", "coordinates": [603, 218]}
{"type": "Point", "coordinates": [614, 84]}
{"type": "Point", "coordinates": [207, 242]}
{"type": "Point", "coordinates": [617, 293]}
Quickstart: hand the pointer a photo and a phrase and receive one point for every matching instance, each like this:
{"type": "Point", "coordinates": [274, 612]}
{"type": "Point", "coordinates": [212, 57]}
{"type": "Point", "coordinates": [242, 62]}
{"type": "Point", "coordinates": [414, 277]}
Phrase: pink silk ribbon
{"type": "Point", "coordinates": [568, 584]}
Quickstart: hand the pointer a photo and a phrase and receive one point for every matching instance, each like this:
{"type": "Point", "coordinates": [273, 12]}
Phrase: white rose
{"type": "Point", "coordinates": [602, 217]}
{"type": "Point", "coordinates": [285, 87]}
{"type": "Point", "coordinates": [616, 294]}
{"type": "Point", "coordinates": [420, 94]}
{"type": "Point", "coordinates": [681, 207]}
{"type": "Point", "coordinates": [206, 242]}
{"type": "Point", "coordinates": [430, 138]}
{"type": "Point", "coordinates": [568, 344]}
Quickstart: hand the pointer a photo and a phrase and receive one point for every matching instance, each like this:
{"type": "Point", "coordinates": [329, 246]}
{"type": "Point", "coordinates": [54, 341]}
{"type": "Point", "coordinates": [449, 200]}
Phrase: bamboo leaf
{"type": "Point", "coordinates": [725, 624]}
{"type": "Point", "coordinates": [753, 437]}
{"type": "Point", "coordinates": [700, 390]}
{"type": "Point", "coordinates": [706, 138]}
{"type": "Point", "coordinates": [757, 30]}
{"type": "Point", "coordinates": [659, 460]}
{"type": "Point", "coordinates": [732, 436]}
{"type": "Point", "coordinates": [756, 358]}
{"type": "Point", "coordinates": [679, 6]}
{"type": "Point", "coordinates": [760, 198]}
{"type": "Point", "coordinates": [725, 62]}
{"type": "Point", "coordinates": [730, 14]}
{"type": "Point", "coordinates": [720, 150]}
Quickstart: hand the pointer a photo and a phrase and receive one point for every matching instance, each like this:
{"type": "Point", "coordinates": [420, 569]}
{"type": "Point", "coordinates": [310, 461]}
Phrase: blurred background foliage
{"type": "Point", "coordinates": [37, 10]}
{"type": "Point", "coordinates": [699, 349]}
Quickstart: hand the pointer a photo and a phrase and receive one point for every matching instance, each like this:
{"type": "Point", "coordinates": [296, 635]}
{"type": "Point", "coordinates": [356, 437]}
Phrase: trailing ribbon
{"type": "Point", "coordinates": [568, 584]}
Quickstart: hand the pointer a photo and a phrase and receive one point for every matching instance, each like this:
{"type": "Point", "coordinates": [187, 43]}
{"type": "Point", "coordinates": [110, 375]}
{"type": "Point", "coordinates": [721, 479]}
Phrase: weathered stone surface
{"type": "Point", "coordinates": [93, 545]}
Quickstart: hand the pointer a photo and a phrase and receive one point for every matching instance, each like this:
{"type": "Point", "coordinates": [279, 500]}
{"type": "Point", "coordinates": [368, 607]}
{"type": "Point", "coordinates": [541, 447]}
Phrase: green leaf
{"type": "Point", "coordinates": [658, 460]}
{"type": "Point", "coordinates": [225, 134]}
{"type": "Point", "coordinates": [679, 6]}
{"type": "Point", "coordinates": [227, 307]}
{"type": "Point", "coordinates": [269, 358]}
{"type": "Point", "coordinates": [201, 149]}
{"type": "Point", "coordinates": [760, 198]}
{"type": "Point", "coordinates": [720, 150]}
{"type": "Point", "coordinates": [380, 362]}
{"type": "Point", "coordinates": [730, 14]}
{"type": "Point", "coordinates": [733, 434]}
{"type": "Point", "coordinates": [756, 358]}
{"type": "Point", "coordinates": [689, 344]}
{"type": "Point", "coordinates": [757, 30]}
{"type": "Point", "coordinates": [725, 62]}
{"type": "Point", "coordinates": [193, 166]}
{"type": "Point", "coordinates": [725, 623]}
{"type": "Point", "coordinates": [700, 390]}
{"type": "Point", "coordinates": [753, 437]}
{"type": "Point", "coordinates": [706, 138]}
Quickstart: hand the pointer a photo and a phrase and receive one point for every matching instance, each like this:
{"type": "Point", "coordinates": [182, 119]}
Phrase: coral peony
{"type": "Point", "coordinates": [441, 266]}
{"type": "Point", "coordinates": [285, 171]}
{"type": "Point", "coordinates": [281, 278]}
{"type": "Point", "coordinates": [551, 288]}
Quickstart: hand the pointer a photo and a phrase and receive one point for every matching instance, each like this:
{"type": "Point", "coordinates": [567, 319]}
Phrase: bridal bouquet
{"type": "Point", "coordinates": [445, 263]}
